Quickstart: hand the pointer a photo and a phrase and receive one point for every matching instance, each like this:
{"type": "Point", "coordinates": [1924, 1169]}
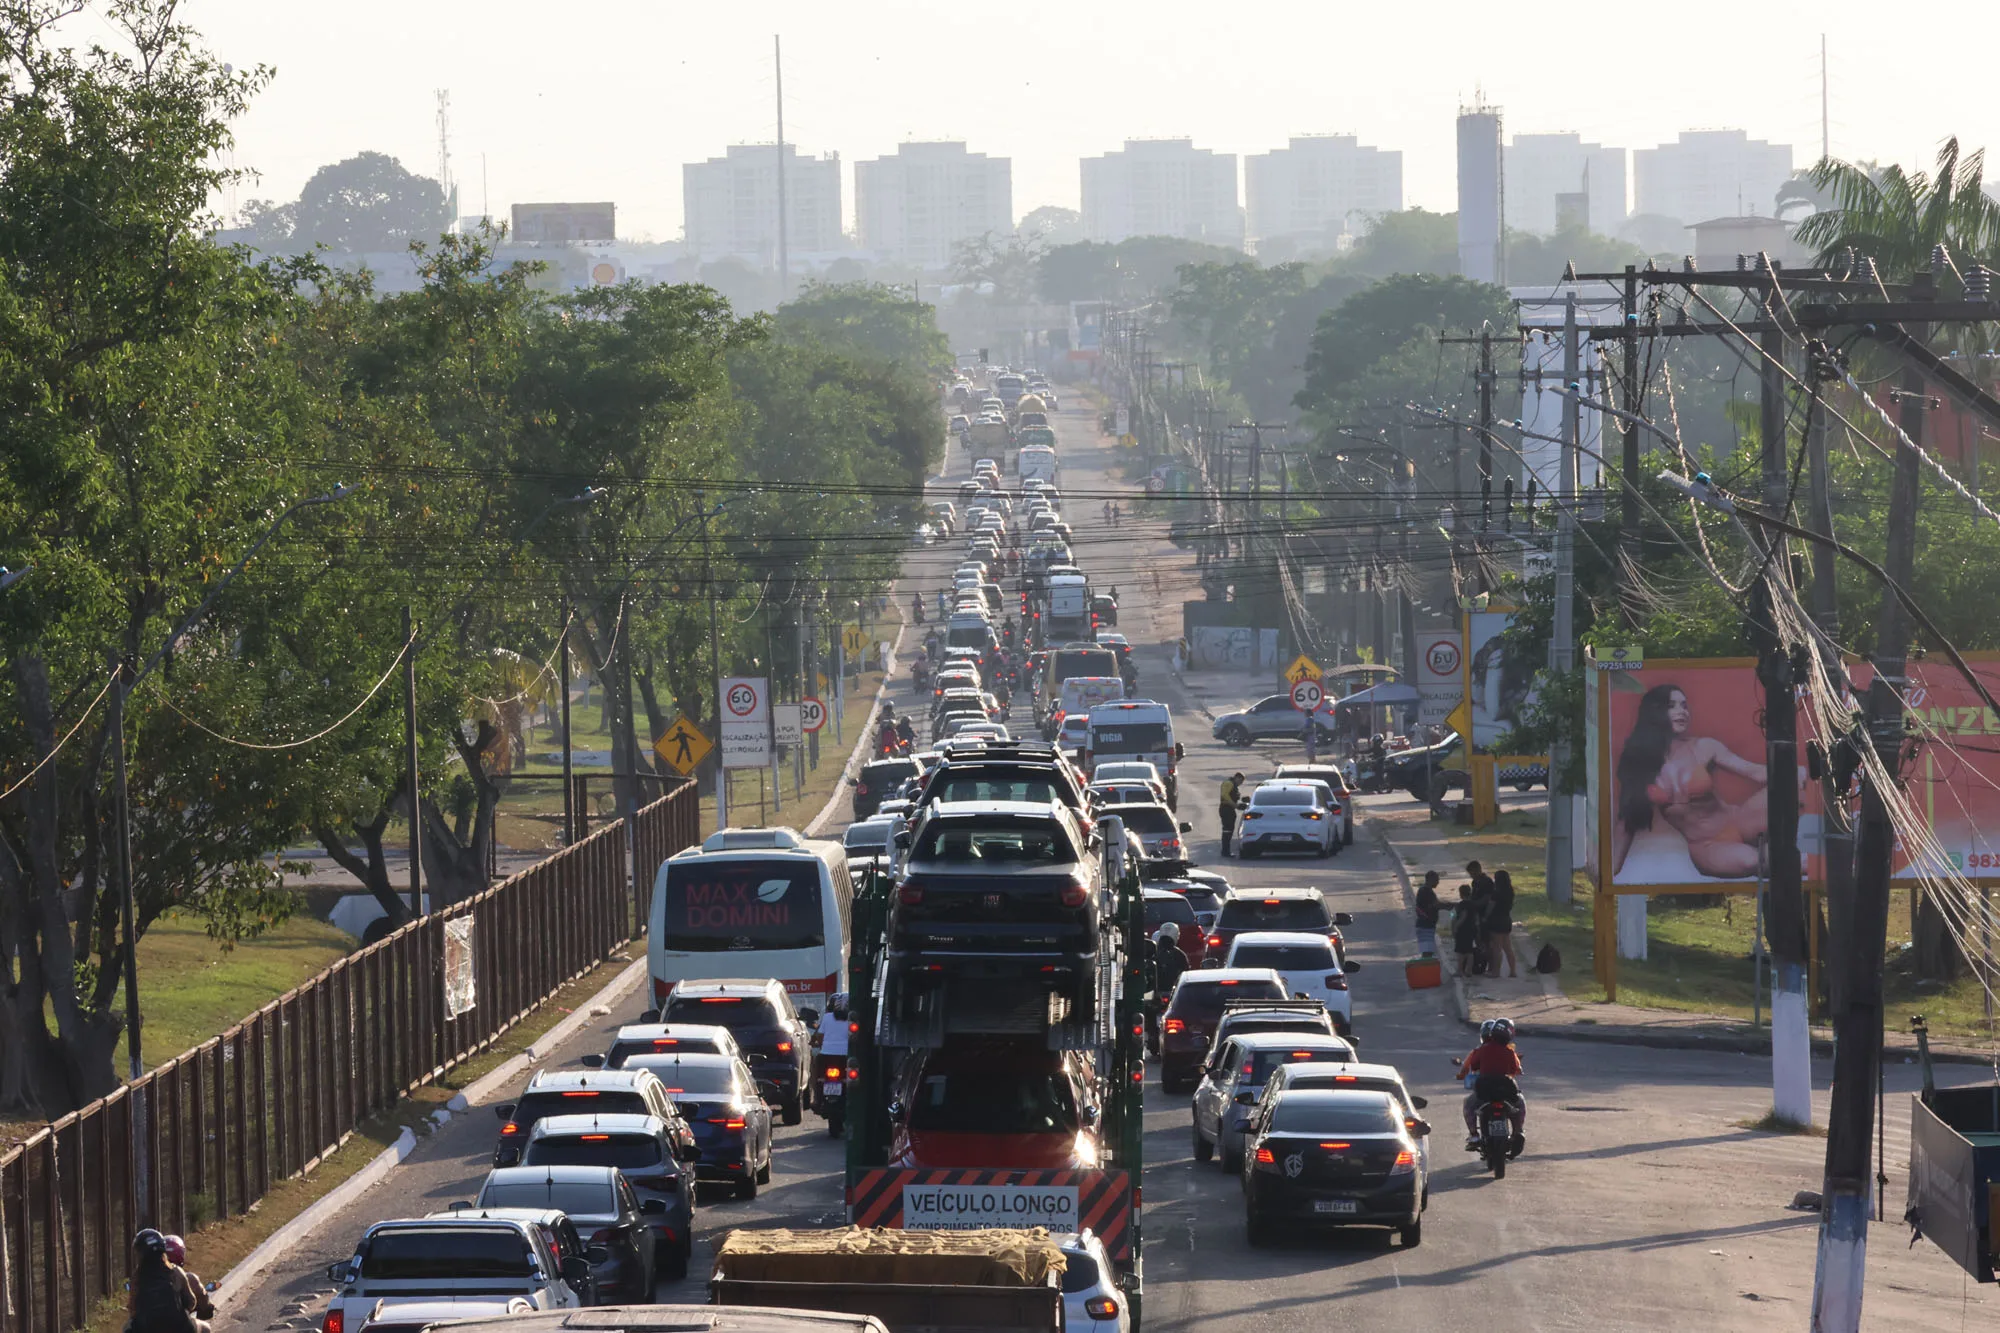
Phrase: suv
{"type": "Point", "coordinates": [648, 1152]}
{"type": "Point", "coordinates": [875, 781]}
{"type": "Point", "coordinates": [1269, 719]}
{"type": "Point", "coordinates": [1234, 1078]}
{"type": "Point", "coordinates": [578, 1092]}
{"type": "Point", "coordinates": [1007, 772]}
{"type": "Point", "coordinates": [996, 1102]}
{"type": "Point", "coordinates": [1195, 1009]}
{"type": "Point", "coordinates": [759, 1014]}
{"type": "Point", "coordinates": [491, 1258]}
{"type": "Point", "coordinates": [1334, 777]}
{"type": "Point", "coordinates": [662, 1039]}
{"type": "Point", "coordinates": [998, 889]}
{"type": "Point", "coordinates": [1276, 909]}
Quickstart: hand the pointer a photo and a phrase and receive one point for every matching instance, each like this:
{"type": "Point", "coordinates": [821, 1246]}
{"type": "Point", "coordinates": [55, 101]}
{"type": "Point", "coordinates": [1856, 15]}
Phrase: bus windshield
{"type": "Point", "coordinates": [718, 906]}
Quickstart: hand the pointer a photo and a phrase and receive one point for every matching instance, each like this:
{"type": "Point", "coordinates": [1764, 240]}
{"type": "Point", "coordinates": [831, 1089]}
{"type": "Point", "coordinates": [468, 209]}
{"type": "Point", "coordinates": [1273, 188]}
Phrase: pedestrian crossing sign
{"type": "Point", "coordinates": [683, 748]}
{"type": "Point", "coordinates": [1303, 669]}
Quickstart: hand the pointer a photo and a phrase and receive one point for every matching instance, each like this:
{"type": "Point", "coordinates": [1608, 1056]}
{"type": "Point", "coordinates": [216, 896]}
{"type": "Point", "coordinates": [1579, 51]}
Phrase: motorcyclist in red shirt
{"type": "Point", "coordinates": [1490, 1071]}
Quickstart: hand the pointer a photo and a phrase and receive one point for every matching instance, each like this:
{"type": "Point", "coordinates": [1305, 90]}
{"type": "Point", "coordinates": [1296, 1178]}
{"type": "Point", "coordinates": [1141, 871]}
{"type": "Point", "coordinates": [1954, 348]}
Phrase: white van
{"type": "Point", "coordinates": [1037, 462]}
{"type": "Point", "coordinates": [1133, 729]}
{"type": "Point", "coordinates": [753, 903]}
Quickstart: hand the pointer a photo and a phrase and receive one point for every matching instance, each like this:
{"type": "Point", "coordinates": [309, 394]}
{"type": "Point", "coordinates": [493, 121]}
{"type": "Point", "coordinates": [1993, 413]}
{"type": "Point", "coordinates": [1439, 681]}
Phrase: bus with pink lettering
{"type": "Point", "coordinates": [753, 902]}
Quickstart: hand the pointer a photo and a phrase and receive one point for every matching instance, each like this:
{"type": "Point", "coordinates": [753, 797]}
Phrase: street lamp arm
{"type": "Point", "coordinates": [339, 492]}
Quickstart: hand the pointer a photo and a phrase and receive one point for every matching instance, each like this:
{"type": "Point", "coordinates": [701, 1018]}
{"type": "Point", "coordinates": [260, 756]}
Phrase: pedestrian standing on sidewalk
{"type": "Point", "coordinates": [1428, 908]}
{"type": "Point", "coordinates": [1500, 925]}
{"type": "Point", "coordinates": [1464, 930]}
{"type": "Point", "coordinates": [1230, 800]}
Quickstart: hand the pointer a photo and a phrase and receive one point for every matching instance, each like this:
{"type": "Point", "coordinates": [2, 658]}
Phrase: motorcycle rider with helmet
{"type": "Point", "coordinates": [1491, 1071]}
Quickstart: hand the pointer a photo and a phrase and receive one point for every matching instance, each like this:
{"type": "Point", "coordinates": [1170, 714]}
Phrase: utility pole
{"type": "Point", "coordinates": [1791, 1041]}
{"type": "Point", "coordinates": [715, 665]}
{"type": "Point", "coordinates": [1562, 646]}
{"type": "Point", "coordinates": [784, 244]}
{"type": "Point", "coordinates": [1836, 819]}
{"type": "Point", "coordinates": [410, 773]}
{"type": "Point", "coordinates": [569, 786]}
{"type": "Point", "coordinates": [799, 750]}
{"type": "Point", "coordinates": [1628, 508]}
{"type": "Point", "coordinates": [628, 725]}
{"type": "Point", "coordinates": [128, 912]}
{"type": "Point", "coordinates": [1860, 936]}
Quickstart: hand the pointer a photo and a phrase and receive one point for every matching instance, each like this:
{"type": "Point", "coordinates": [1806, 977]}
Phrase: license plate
{"type": "Point", "coordinates": [1499, 1129]}
{"type": "Point", "coordinates": [1336, 1206]}
{"type": "Point", "coordinates": [830, 1088]}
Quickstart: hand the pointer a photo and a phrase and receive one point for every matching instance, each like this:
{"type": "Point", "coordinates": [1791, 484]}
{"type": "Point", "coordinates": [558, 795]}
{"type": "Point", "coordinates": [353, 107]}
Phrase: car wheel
{"type": "Point", "coordinates": [793, 1108]}
{"type": "Point", "coordinates": [1524, 786]}
{"type": "Point", "coordinates": [1203, 1149]}
{"type": "Point", "coordinates": [677, 1262]}
{"type": "Point", "coordinates": [746, 1188]}
{"type": "Point", "coordinates": [1347, 834]}
{"type": "Point", "coordinates": [1235, 734]}
{"type": "Point", "coordinates": [1250, 853]}
{"type": "Point", "coordinates": [1413, 1234]}
{"type": "Point", "coordinates": [1325, 849]}
{"type": "Point", "coordinates": [764, 1171]}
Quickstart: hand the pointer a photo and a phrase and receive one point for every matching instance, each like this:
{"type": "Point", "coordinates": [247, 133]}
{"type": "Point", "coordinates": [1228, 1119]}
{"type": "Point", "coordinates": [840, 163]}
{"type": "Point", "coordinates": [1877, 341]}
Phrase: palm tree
{"type": "Point", "coordinates": [1899, 219]}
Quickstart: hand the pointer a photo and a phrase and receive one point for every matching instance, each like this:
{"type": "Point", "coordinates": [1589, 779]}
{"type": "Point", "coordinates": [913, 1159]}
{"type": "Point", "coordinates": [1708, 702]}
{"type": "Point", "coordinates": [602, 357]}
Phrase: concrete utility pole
{"type": "Point", "coordinates": [1836, 821]}
{"type": "Point", "coordinates": [1628, 506]}
{"type": "Point", "coordinates": [1860, 935]}
{"type": "Point", "coordinates": [715, 665]}
{"type": "Point", "coordinates": [1791, 1041]}
{"type": "Point", "coordinates": [1562, 636]}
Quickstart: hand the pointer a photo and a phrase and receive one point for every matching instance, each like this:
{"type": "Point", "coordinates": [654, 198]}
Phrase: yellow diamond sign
{"type": "Point", "coordinates": [1303, 669]}
{"type": "Point", "coordinates": [683, 748]}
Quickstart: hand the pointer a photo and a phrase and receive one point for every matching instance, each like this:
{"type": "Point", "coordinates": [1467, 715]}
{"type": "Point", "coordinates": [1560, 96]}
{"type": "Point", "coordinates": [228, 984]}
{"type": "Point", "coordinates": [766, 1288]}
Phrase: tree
{"type": "Point", "coordinates": [1134, 268]}
{"type": "Point", "coordinates": [881, 321]}
{"type": "Point", "coordinates": [1380, 319]}
{"type": "Point", "coordinates": [1899, 218]}
{"type": "Point", "coordinates": [1542, 259]}
{"type": "Point", "coordinates": [1007, 264]}
{"type": "Point", "coordinates": [1052, 225]}
{"type": "Point", "coordinates": [368, 203]}
{"type": "Point", "coordinates": [1410, 241]}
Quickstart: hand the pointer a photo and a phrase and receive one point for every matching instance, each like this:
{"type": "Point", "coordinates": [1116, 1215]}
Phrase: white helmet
{"type": "Point", "coordinates": [1168, 931]}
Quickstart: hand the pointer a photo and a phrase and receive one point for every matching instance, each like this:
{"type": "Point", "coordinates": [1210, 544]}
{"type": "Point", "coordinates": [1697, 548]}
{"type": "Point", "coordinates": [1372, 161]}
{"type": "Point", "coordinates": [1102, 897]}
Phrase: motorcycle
{"type": "Point", "coordinates": [830, 1076]}
{"type": "Point", "coordinates": [920, 673]}
{"type": "Point", "coordinates": [1496, 1136]}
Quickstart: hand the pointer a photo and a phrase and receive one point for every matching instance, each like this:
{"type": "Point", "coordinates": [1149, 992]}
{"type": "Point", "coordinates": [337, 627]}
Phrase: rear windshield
{"type": "Point", "coordinates": [408, 1252]}
{"type": "Point", "coordinates": [1016, 842]}
{"type": "Point", "coordinates": [865, 836]}
{"type": "Point", "coordinates": [1202, 900]}
{"type": "Point", "coordinates": [1265, 1061]}
{"type": "Point", "coordinates": [717, 906]}
{"type": "Point", "coordinates": [1298, 1116]}
{"type": "Point", "coordinates": [1283, 796]}
{"type": "Point", "coordinates": [1274, 1023]}
{"type": "Point", "coordinates": [968, 636]}
{"type": "Point", "coordinates": [627, 1152]}
{"type": "Point", "coordinates": [1200, 998]}
{"type": "Point", "coordinates": [993, 1100]}
{"type": "Point", "coordinates": [749, 1018]}
{"type": "Point", "coordinates": [578, 1198]}
{"type": "Point", "coordinates": [577, 1101]}
{"type": "Point", "coordinates": [1131, 738]}
{"type": "Point", "coordinates": [1274, 914]}
{"type": "Point", "coordinates": [1284, 957]}
{"type": "Point", "coordinates": [622, 1051]}
{"type": "Point", "coordinates": [1036, 791]}
{"type": "Point", "coordinates": [1083, 662]}
{"type": "Point", "coordinates": [1146, 818]}
{"type": "Point", "coordinates": [694, 1080]}
{"type": "Point", "coordinates": [1079, 1272]}
{"type": "Point", "coordinates": [1162, 910]}
{"type": "Point", "coordinates": [884, 773]}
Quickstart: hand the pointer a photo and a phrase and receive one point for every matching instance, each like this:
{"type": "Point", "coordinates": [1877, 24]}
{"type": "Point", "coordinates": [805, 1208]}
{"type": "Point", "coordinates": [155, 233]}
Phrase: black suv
{"type": "Point", "coordinates": [874, 783]}
{"type": "Point", "coordinates": [1006, 771]}
{"type": "Point", "coordinates": [775, 1041]}
{"type": "Point", "coordinates": [998, 890]}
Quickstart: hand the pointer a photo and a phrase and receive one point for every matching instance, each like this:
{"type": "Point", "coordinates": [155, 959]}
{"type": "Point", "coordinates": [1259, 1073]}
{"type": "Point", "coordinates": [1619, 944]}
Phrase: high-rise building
{"type": "Point", "coordinates": [1318, 188]}
{"type": "Point", "coordinates": [1543, 170]}
{"type": "Point", "coordinates": [918, 206]}
{"type": "Point", "coordinates": [1707, 174]}
{"type": "Point", "coordinates": [1162, 187]}
{"type": "Point", "coordinates": [1482, 251]}
{"type": "Point", "coordinates": [731, 203]}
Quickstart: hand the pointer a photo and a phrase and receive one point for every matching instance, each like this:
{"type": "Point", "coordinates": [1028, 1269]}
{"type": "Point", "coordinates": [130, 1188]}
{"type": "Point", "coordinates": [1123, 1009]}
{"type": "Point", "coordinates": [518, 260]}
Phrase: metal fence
{"type": "Point", "coordinates": [206, 1135]}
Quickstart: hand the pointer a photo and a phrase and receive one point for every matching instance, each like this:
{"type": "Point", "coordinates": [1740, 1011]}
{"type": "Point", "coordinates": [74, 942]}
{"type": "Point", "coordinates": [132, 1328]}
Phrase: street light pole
{"type": "Point", "coordinates": [715, 663]}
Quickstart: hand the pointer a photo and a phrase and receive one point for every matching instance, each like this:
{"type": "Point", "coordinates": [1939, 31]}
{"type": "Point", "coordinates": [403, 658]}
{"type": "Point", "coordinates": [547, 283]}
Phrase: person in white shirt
{"type": "Point", "coordinates": [832, 1036]}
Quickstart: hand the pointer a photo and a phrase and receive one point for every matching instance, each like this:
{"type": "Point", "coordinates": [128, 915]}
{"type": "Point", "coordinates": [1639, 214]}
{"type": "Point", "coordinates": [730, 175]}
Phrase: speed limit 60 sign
{"type": "Point", "coordinates": [1307, 695]}
{"type": "Point", "coordinates": [746, 721]}
{"type": "Point", "coordinates": [812, 714]}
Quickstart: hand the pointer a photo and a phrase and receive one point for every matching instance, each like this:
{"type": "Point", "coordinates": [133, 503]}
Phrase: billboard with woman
{"type": "Point", "coordinates": [1679, 783]}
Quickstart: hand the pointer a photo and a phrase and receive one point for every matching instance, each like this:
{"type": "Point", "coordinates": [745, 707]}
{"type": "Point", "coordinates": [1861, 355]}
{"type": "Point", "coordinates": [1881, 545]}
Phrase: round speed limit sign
{"type": "Point", "coordinates": [742, 699]}
{"type": "Point", "coordinates": [812, 714]}
{"type": "Point", "coordinates": [1307, 695]}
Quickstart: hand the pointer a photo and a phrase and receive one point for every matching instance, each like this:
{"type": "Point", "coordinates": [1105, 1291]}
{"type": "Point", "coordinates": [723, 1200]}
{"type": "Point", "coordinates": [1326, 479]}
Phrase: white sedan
{"type": "Point", "coordinates": [1289, 817]}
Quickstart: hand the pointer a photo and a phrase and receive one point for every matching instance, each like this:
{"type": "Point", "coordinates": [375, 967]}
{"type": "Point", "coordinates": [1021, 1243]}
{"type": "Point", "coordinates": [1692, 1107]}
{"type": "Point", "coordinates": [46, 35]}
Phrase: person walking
{"type": "Point", "coordinates": [1500, 925]}
{"type": "Point", "coordinates": [1230, 801]}
{"type": "Point", "coordinates": [1428, 908]}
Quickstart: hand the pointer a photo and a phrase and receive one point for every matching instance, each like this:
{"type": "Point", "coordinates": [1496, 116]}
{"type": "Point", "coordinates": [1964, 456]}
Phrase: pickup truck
{"type": "Point", "coordinates": [943, 1282]}
{"type": "Point", "coordinates": [449, 1261]}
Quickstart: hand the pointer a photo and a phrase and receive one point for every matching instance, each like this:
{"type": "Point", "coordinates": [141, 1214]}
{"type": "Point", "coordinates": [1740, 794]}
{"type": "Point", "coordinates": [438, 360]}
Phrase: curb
{"type": "Point", "coordinates": [287, 1237]}
{"type": "Point", "coordinates": [860, 752]}
{"type": "Point", "coordinates": [1459, 1001]}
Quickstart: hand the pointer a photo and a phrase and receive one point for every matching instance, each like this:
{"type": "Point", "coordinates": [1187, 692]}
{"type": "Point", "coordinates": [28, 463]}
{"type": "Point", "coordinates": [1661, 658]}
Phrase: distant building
{"type": "Point", "coordinates": [1544, 170]}
{"type": "Point", "coordinates": [732, 203]}
{"type": "Point", "coordinates": [1710, 174]}
{"type": "Point", "coordinates": [918, 206]}
{"type": "Point", "coordinates": [1718, 241]}
{"type": "Point", "coordinates": [1318, 189]}
{"type": "Point", "coordinates": [563, 224]}
{"type": "Point", "coordinates": [1162, 187]}
{"type": "Point", "coordinates": [1482, 250]}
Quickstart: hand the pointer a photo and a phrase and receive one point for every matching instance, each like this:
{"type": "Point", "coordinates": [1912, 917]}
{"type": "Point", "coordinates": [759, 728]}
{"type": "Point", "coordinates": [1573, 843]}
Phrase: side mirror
{"type": "Point", "coordinates": [1180, 750]}
{"type": "Point", "coordinates": [653, 1207]}
{"type": "Point", "coordinates": [809, 1017]}
{"type": "Point", "coordinates": [1419, 1128]}
{"type": "Point", "coordinates": [650, 1016]}
{"type": "Point", "coordinates": [903, 840]}
{"type": "Point", "coordinates": [504, 1112]}
{"type": "Point", "coordinates": [1246, 1099]}
{"type": "Point", "coordinates": [1211, 961]}
{"type": "Point", "coordinates": [457, 1205]}
{"type": "Point", "coordinates": [854, 782]}
{"type": "Point", "coordinates": [1420, 1102]}
{"type": "Point", "coordinates": [592, 1062]}
{"type": "Point", "coordinates": [1343, 918]}
{"type": "Point", "coordinates": [687, 1152]}
{"type": "Point", "coordinates": [341, 1272]}
{"type": "Point", "coordinates": [1186, 827]}
{"type": "Point", "coordinates": [576, 1269]}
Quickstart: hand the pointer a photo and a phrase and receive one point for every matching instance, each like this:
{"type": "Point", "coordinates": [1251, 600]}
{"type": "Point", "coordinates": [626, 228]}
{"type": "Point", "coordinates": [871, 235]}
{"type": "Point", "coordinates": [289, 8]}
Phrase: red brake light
{"type": "Point", "coordinates": [509, 1128]}
{"type": "Point", "coordinates": [1345, 1078]}
{"type": "Point", "coordinates": [784, 1048]}
{"type": "Point", "coordinates": [1270, 902]}
{"type": "Point", "coordinates": [1336, 1146]}
{"type": "Point", "coordinates": [729, 1122]}
{"type": "Point", "coordinates": [1249, 1068]}
{"type": "Point", "coordinates": [833, 1071]}
{"type": "Point", "coordinates": [580, 1093]}
{"type": "Point", "coordinates": [1336, 982]}
{"type": "Point", "coordinates": [720, 999]}
{"type": "Point", "coordinates": [1229, 981]}
{"type": "Point", "coordinates": [336, 1320]}
{"type": "Point", "coordinates": [595, 1138]}
{"type": "Point", "coordinates": [1302, 1055]}
{"type": "Point", "coordinates": [1173, 1025]}
{"type": "Point", "coordinates": [1101, 1307]}
{"type": "Point", "coordinates": [1075, 893]}
{"type": "Point", "coordinates": [1265, 1157]}
{"type": "Point", "coordinates": [911, 894]}
{"type": "Point", "coordinates": [1215, 941]}
{"type": "Point", "coordinates": [1405, 1159]}
{"type": "Point", "coordinates": [659, 1042]}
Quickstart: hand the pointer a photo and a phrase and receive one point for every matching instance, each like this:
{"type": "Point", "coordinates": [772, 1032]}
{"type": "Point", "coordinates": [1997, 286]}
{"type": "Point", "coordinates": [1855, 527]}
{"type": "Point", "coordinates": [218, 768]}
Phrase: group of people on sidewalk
{"type": "Point", "coordinates": [1482, 921]}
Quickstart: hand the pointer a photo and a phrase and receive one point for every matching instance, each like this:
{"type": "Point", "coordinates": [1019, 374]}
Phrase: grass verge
{"type": "Point", "coordinates": [220, 1246]}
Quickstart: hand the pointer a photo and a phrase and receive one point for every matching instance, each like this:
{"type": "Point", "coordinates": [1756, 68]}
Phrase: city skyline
{"type": "Point", "coordinates": [619, 124]}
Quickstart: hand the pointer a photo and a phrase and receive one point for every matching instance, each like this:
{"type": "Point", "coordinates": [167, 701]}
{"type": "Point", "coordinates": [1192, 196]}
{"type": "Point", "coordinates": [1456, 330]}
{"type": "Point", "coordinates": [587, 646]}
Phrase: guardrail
{"type": "Point", "coordinates": [206, 1135]}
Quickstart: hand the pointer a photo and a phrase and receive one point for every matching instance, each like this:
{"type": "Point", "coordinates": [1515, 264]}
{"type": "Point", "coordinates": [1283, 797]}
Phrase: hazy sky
{"type": "Point", "coordinates": [606, 100]}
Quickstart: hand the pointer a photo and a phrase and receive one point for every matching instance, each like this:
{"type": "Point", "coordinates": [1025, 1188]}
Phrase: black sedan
{"type": "Point", "coordinates": [1332, 1158]}
{"type": "Point", "coordinates": [607, 1216]}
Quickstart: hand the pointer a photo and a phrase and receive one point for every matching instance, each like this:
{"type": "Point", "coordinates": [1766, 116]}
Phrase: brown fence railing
{"type": "Point", "coordinates": [205, 1135]}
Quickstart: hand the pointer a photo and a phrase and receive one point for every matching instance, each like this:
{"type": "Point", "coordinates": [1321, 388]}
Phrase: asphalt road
{"type": "Point", "coordinates": [1641, 1202]}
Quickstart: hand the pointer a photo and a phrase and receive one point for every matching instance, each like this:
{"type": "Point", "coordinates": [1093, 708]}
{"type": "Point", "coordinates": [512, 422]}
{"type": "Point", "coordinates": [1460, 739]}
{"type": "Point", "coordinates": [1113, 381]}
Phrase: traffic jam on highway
{"type": "Point", "coordinates": [978, 992]}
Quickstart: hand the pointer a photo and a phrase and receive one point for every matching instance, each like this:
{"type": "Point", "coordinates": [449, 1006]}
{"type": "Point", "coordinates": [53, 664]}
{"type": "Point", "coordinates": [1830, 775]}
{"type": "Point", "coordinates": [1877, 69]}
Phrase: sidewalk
{"type": "Point", "coordinates": [1537, 1003]}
